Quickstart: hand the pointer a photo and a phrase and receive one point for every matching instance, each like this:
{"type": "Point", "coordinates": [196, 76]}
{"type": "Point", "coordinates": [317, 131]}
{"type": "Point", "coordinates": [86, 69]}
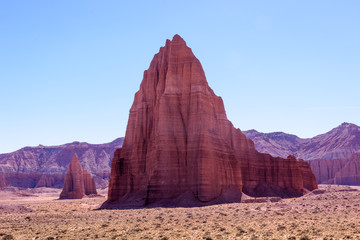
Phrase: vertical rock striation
{"type": "Point", "coordinates": [51, 180]}
{"type": "Point", "coordinates": [89, 184]}
{"type": "Point", "coordinates": [2, 180]}
{"type": "Point", "coordinates": [181, 150]}
{"type": "Point", "coordinates": [350, 173]}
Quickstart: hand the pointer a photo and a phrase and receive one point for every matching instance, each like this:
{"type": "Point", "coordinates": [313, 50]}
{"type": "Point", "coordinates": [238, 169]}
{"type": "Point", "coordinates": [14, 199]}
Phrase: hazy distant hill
{"type": "Point", "coordinates": [331, 156]}
{"type": "Point", "coordinates": [341, 142]}
{"type": "Point", "coordinates": [25, 167]}
{"type": "Point", "coordinates": [334, 156]}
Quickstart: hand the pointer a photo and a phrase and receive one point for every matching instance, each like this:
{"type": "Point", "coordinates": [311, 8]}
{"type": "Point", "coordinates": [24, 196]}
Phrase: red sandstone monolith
{"type": "Point", "coordinates": [181, 150]}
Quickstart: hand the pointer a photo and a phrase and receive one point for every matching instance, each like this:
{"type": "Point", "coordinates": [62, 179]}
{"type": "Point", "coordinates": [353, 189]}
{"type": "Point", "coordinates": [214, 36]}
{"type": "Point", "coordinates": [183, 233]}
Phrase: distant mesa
{"type": "Point", "coordinates": [78, 182]}
{"type": "Point", "coordinates": [46, 166]}
{"type": "Point", "coordinates": [333, 156]}
{"type": "Point", "coordinates": [339, 143]}
{"type": "Point", "coordinates": [181, 150]}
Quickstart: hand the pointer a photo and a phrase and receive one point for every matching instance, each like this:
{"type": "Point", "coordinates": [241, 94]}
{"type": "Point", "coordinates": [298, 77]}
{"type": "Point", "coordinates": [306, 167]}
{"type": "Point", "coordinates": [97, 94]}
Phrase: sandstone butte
{"type": "Point", "coordinates": [78, 182]}
{"type": "Point", "coordinates": [181, 150]}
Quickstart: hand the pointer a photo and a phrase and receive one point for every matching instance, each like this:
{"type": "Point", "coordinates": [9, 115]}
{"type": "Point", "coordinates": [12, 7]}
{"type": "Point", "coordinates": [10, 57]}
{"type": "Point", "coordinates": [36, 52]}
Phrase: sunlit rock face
{"type": "Point", "coordinates": [181, 150]}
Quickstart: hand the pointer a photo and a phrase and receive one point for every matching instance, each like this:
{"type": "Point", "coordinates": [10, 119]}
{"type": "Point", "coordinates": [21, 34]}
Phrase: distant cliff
{"type": "Point", "coordinates": [334, 156]}
{"type": "Point", "coordinates": [46, 165]}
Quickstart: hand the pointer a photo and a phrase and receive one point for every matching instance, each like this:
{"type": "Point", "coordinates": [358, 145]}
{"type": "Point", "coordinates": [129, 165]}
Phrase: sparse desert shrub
{"type": "Point", "coordinates": [292, 238]}
{"type": "Point", "coordinates": [240, 231]}
{"type": "Point", "coordinates": [8, 237]}
{"type": "Point", "coordinates": [50, 238]}
{"type": "Point", "coordinates": [281, 227]}
{"type": "Point", "coordinates": [305, 238]}
{"type": "Point", "coordinates": [136, 230]}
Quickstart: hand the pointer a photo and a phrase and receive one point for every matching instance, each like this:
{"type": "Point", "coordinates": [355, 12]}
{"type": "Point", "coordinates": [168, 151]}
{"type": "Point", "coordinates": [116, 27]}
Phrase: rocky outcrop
{"type": "Point", "coordinates": [2, 180]}
{"type": "Point", "coordinates": [78, 183]}
{"type": "Point", "coordinates": [325, 169]}
{"type": "Point", "coordinates": [339, 143]}
{"type": "Point", "coordinates": [29, 165]}
{"type": "Point", "coordinates": [181, 150]}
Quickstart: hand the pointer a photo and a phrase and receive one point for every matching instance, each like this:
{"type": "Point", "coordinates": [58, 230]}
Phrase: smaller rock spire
{"type": "Point", "coordinates": [78, 183]}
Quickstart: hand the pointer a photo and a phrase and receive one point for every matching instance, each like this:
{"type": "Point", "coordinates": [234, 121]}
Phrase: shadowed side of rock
{"type": "Point", "coordinates": [89, 184]}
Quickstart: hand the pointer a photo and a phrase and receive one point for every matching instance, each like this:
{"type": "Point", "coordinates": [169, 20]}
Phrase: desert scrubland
{"type": "Point", "coordinates": [331, 212]}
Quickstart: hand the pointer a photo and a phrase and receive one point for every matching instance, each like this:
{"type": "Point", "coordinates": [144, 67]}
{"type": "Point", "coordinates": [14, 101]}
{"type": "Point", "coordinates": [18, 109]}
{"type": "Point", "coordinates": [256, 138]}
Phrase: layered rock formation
{"type": "Point", "coordinates": [180, 149]}
{"type": "Point", "coordinates": [337, 171]}
{"type": "Point", "coordinates": [78, 183]}
{"type": "Point", "coordinates": [350, 173]}
{"type": "Point", "coordinates": [339, 143]}
{"type": "Point", "coordinates": [325, 169]}
{"type": "Point", "coordinates": [2, 180]}
{"type": "Point", "coordinates": [330, 154]}
{"type": "Point", "coordinates": [43, 165]}
{"type": "Point", "coordinates": [51, 180]}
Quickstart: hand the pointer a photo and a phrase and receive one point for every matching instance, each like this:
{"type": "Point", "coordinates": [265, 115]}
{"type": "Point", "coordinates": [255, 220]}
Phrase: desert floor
{"type": "Point", "coordinates": [332, 212]}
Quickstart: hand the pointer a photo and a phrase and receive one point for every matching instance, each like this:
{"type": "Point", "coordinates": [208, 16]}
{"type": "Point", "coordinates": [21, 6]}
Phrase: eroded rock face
{"type": "Point", "coordinates": [350, 173]}
{"type": "Point", "coordinates": [325, 169]}
{"type": "Point", "coordinates": [51, 180]}
{"type": "Point", "coordinates": [2, 180]}
{"type": "Point", "coordinates": [78, 183]}
{"type": "Point", "coordinates": [39, 166]}
{"type": "Point", "coordinates": [180, 149]}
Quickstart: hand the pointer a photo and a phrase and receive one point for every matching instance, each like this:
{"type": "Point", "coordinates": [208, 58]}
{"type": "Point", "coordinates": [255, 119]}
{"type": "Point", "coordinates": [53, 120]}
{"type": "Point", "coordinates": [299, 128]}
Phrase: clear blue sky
{"type": "Point", "coordinates": [69, 69]}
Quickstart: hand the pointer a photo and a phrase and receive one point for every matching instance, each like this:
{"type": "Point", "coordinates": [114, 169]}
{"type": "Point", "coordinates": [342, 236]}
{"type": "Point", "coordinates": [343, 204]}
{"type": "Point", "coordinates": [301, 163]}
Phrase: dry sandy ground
{"type": "Point", "coordinates": [332, 213]}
